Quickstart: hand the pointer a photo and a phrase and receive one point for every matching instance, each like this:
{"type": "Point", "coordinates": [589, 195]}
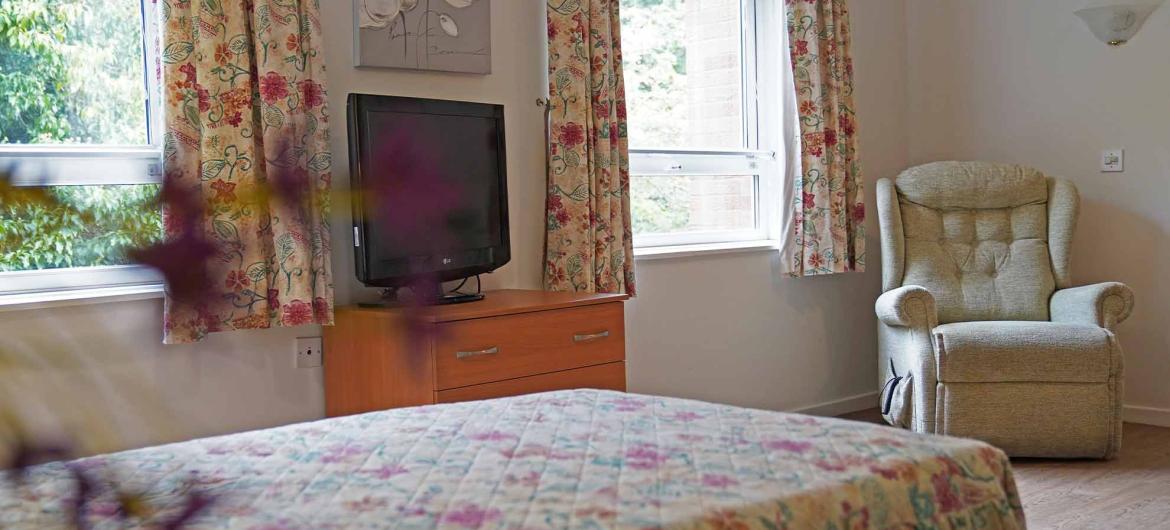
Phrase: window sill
{"type": "Point", "coordinates": [72, 297]}
{"type": "Point", "coordinates": [706, 249]}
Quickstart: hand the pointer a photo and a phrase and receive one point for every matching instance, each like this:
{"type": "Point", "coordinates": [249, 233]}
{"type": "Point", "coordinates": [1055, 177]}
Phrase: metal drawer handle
{"type": "Point", "coordinates": [486, 351]}
{"type": "Point", "coordinates": [586, 337]}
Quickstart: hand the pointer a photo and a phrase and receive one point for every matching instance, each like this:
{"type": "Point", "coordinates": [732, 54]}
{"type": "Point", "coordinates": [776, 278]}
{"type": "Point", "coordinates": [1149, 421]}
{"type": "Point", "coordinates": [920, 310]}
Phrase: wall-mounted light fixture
{"type": "Point", "coordinates": [1116, 24]}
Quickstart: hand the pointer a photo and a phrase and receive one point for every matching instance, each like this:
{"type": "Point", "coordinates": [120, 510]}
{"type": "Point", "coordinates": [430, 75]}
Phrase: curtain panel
{"type": "Point", "coordinates": [589, 239]}
{"type": "Point", "coordinates": [246, 165]}
{"type": "Point", "coordinates": [826, 225]}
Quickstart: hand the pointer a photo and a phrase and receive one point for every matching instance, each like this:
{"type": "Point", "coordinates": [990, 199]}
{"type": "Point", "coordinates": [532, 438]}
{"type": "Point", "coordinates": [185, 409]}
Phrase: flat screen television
{"type": "Point", "coordinates": [430, 189]}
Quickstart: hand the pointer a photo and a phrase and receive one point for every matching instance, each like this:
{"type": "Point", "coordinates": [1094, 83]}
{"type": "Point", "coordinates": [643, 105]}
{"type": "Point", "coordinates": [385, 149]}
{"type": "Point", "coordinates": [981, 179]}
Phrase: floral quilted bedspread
{"type": "Point", "coordinates": [567, 459]}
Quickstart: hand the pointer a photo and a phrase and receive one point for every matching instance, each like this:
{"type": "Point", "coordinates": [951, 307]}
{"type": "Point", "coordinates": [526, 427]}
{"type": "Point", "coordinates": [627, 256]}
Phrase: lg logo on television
{"type": "Point", "coordinates": [447, 261]}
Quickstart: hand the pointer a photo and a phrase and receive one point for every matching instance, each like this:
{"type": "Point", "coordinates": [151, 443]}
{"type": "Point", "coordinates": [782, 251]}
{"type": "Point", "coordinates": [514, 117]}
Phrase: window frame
{"type": "Point", "coordinates": [753, 159]}
{"type": "Point", "coordinates": [681, 162]}
{"type": "Point", "coordinates": [90, 165]}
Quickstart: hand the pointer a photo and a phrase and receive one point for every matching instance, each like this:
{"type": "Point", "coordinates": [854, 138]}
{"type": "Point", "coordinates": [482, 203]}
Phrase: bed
{"type": "Point", "coordinates": [566, 459]}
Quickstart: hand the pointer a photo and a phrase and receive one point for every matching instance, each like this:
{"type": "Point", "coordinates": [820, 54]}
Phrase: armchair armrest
{"type": "Point", "coordinates": [907, 315]}
{"type": "Point", "coordinates": [1101, 304]}
{"type": "Point", "coordinates": [909, 306]}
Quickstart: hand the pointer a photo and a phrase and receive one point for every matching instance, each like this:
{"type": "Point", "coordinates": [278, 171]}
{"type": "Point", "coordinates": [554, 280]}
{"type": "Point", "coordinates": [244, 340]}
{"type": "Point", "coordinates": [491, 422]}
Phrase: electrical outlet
{"type": "Point", "coordinates": [1113, 160]}
{"type": "Point", "coordinates": [309, 352]}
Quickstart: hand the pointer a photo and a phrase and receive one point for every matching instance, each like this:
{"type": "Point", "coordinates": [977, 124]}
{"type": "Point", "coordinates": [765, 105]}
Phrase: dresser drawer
{"type": "Point", "coordinates": [611, 376]}
{"type": "Point", "coordinates": [471, 352]}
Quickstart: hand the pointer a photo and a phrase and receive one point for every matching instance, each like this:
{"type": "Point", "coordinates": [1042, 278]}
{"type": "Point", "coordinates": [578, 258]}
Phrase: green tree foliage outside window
{"type": "Point", "coordinates": [655, 201]}
{"type": "Point", "coordinates": [72, 72]}
{"type": "Point", "coordinates": [655, 62]}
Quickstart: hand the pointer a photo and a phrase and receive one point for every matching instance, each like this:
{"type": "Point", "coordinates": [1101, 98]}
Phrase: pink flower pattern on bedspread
{"type": "Point", "coordinates": [568, 459]}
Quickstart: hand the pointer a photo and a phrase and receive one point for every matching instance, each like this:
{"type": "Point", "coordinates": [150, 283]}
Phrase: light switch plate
{"type": "Point", "coordinates": [309, 352]}
{"type": "Point", "coordinates": [1113, 160]}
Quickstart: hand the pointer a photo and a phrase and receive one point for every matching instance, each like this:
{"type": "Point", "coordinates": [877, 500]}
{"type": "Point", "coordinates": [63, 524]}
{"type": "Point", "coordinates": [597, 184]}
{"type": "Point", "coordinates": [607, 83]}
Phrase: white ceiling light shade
{"type": "Point", "coordinates": [1117, 24]}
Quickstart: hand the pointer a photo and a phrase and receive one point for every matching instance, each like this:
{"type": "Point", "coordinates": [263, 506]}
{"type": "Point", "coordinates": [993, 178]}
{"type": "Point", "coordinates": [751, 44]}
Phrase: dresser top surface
{"type": "Point", "coordinates": [500, 302]}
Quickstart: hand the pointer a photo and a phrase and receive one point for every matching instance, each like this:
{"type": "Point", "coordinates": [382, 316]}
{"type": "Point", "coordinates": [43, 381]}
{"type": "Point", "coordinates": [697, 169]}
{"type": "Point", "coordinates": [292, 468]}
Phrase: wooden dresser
{"type": "Point", "coordinates": [512, 342]}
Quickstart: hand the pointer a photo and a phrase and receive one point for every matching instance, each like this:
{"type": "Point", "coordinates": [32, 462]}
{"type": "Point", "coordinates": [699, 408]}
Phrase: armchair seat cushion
{"type": "Point", "coordinates": [1024, 351]}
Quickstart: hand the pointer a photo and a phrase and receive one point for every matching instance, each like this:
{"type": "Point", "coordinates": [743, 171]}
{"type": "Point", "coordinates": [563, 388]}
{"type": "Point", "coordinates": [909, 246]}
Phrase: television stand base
{"type": "Point", "coordinates": [392, 298]}
{"type": "Point", "coordinates": [456, 299]}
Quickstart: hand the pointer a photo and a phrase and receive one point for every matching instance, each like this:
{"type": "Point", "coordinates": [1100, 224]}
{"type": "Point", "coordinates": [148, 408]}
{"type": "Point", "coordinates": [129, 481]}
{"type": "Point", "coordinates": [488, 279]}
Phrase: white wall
{"type": "Point", "coordinates": [730, 328]}
{"type": "Point", "coordinates": [1025, 82]}
{"type": "Point", "coordinates": [145, 391]}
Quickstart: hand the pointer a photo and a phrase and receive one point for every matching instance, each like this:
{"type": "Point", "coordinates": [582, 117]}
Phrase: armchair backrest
{"type": "Point", "coordinates": [989, 241]}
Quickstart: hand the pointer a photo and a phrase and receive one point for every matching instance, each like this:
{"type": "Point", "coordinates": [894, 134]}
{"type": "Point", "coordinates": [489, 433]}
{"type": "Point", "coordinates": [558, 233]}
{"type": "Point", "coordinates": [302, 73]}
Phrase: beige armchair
{"type": "Point", "coordinates": [981, 334]}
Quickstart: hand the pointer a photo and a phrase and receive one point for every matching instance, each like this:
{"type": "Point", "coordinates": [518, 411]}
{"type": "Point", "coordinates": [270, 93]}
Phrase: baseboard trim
{"type": "Point", "coordinates": [1156, 416]}
{"type": "Point", "coordinates": [1147, 415]}
{"type": "Point", "coordinates": [841, 406]}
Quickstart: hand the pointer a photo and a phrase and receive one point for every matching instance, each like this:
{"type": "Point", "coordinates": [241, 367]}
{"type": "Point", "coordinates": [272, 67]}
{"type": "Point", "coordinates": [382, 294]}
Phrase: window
{"type": "Point", "coordinates": [697, 171]}
{"type": "Point", "coordinates": [79, 140]}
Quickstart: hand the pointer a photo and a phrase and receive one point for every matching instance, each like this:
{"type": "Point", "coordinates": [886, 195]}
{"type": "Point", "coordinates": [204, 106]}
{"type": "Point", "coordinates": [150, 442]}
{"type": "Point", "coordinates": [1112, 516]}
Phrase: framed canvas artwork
{"type": "Point", "coordinates": [438, 35]}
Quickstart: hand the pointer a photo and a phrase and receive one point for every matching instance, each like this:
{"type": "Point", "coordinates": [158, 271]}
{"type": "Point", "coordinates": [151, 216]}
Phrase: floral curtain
{"type": "Point", "coordinates": [828, 211]}
{"type": "Point", "coordinates": [588, 242]}
{"type": "Point", "coordinates": [246, 167]}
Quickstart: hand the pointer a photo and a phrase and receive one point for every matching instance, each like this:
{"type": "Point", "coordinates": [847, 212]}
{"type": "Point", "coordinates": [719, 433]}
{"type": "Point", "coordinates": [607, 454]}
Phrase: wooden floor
{"type": "Point", "coordinates": [1131, 492]}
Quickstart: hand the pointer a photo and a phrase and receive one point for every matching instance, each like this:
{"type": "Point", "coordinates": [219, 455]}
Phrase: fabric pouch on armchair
{"type": "Point", "coordinates": [980, 332]}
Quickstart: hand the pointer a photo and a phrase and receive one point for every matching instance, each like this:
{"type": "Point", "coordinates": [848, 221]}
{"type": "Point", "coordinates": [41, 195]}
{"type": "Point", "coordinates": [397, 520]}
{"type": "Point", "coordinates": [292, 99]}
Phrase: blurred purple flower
{"type": "Point", "coordinates": [183, 258]}
{"type": "Point", "coordinates": [85, 492]}
{"type": "Point", "coordinates": [26, 455]}
{"type": "Point", "coordinates": [196, 503]}
{"type": "Point", "coordinates": [288, 182]}
{"type": "Point", "coordinates": [410, 171]}
{"type": "Point", "coordinates": [183, 263]}
{"type": "Point", "coordinates": [419, 328]}
{"type": "Point", "coordinates": [412, 195]}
